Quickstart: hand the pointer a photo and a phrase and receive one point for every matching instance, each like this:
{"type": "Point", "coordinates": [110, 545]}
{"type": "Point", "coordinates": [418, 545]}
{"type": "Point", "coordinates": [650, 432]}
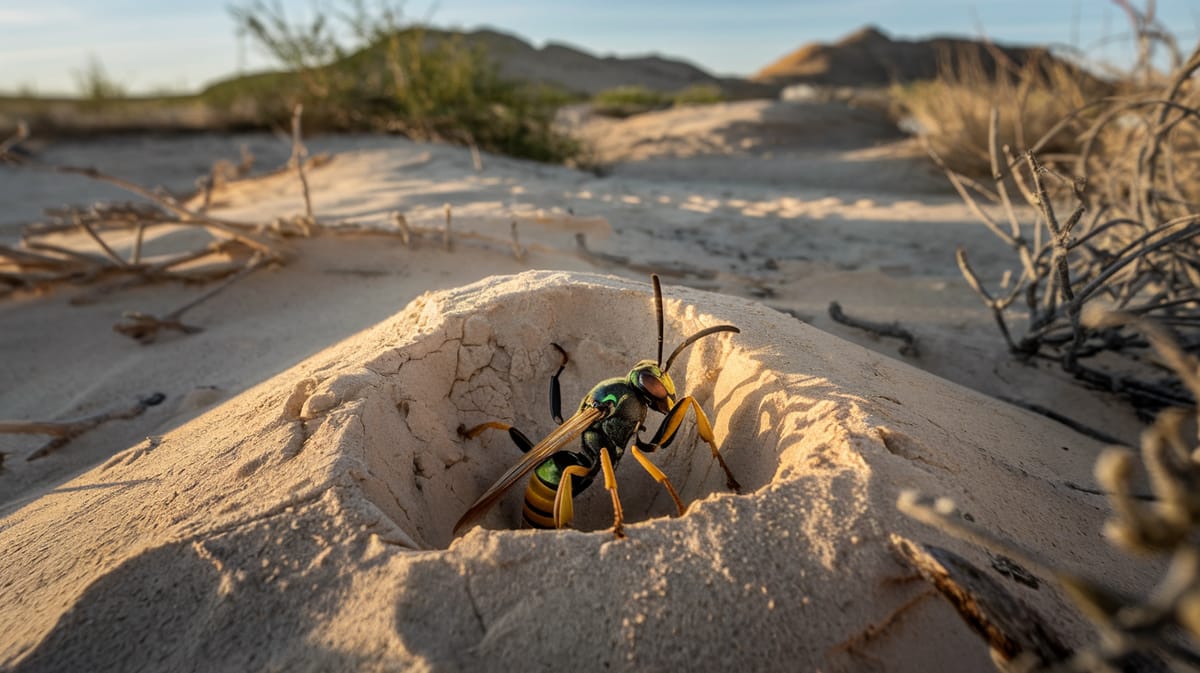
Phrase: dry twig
{"type": "Point", "coordinates": [299, 153]}
{"type": "Point", "coordinates": [1016, 634]}
{"type": "Point", "coordinates": [145, 328]}
{"type": "Point", "coordinates": [63, 432]}
{"type": "Point", "coordinates": [879, 329]}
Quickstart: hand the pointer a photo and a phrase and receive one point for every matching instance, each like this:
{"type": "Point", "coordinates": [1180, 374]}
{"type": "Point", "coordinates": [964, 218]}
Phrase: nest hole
{"type": "Point", "coordinates": [495, 364]}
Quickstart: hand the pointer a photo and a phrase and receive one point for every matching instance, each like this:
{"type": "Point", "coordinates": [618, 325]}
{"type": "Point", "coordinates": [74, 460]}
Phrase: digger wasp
{"type": "Point", "coordinates": [608, 421]}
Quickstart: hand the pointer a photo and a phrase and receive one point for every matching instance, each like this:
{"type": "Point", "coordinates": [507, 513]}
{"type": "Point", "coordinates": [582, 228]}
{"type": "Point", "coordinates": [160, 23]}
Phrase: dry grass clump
{"type": "Point", "coordinates": [1128, 242]}
{"type": "Point", "coordinates": [952, 113]}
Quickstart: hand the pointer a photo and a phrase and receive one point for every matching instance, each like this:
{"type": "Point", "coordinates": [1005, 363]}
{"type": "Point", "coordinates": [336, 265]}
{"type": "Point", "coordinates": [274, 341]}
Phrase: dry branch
{"type": "Point", "coordinates": [145, 328]}
{"type": "Point", "coordinates": [1015, 632]}
{"type": "Point", "coordinates": [1081, 428]}
{"type": "Point", "coordinates": [879, 329]}
{"type": "Point", "coordinates": [63, 432]}
{"type": "Point", "coordinates": [38, 262]}
{"type": "Point", "coordinates": [1117, 256]}
{"type": "Point", "coordinates": [239, 248]}
{"type": "Point", "coordinates": [299, 153]}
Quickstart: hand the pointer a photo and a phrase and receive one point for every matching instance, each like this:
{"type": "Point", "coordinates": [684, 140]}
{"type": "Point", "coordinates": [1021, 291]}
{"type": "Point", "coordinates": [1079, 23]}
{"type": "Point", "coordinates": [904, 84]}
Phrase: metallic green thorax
{"type": "Point", "coordinates": [626, 405]}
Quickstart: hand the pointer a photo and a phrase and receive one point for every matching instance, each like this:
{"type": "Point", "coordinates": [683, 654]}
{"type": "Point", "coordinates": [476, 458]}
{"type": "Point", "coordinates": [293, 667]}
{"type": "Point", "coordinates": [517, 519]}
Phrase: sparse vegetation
{"type": "Point", "coordinates": [1101, 288]}
{"type": "Point", "coordinates": [699, 94]}
{"type": "Point", "coordinates": [96, 85]}
{"type": "Point", "coordinates": [952, 113]}
{"type": "Point", "coordinates": [393, 76]}
{"type": "Point", "coordinates": [626, 101]}
{"type": "Point", "coordinates": [1129, 242]}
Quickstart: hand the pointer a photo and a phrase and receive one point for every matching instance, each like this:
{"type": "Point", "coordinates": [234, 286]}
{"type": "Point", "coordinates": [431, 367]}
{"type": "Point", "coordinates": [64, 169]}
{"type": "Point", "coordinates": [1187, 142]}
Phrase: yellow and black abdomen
{"type": "Point", "coordinates": [538, 509]}
{"type": "Point", "coordinates": [539, 503]}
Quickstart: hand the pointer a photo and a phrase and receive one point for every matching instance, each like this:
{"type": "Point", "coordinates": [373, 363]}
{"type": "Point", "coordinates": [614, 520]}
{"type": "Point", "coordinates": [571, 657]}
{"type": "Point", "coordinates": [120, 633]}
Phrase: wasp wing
{"type": "Point", "coordinates": [564, 434]}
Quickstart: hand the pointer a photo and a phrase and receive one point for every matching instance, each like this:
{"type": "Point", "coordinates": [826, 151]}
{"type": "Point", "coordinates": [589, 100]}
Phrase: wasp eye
{"type": "Point", "coordinates": [652, 385]}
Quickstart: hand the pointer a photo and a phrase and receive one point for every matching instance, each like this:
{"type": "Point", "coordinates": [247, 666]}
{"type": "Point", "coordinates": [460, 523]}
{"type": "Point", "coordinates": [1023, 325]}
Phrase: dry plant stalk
{"type": "Point", "coordinates": [63, 432]}
{"type": "Point", "coordinates": [299, 153]}
{"type": "Point", "coordinates": [1015, 633]}
{"type": "Point", "coordinates": [1136, 632]}
{"type": "Point", "coordinates": [879, 329]}
{"type": "Point", "coordinates": [38, 263]}
{"type": "Point", "coordinates": [145, 328]}
{"type": "Point", "coordinates": [1129, 242]}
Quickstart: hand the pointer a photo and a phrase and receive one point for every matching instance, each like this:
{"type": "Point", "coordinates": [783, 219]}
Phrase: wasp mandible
{"type": "Point", "coordinates": [609, 416]}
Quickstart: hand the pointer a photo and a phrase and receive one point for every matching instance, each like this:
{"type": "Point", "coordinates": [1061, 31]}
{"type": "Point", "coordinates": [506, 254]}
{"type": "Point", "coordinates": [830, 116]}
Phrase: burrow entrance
{"type": "Point", "coordinates": [481, 358]}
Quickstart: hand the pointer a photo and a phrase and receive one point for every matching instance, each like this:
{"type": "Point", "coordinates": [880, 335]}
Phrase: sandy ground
{"type": "Point", "coordinates": [289, 504]}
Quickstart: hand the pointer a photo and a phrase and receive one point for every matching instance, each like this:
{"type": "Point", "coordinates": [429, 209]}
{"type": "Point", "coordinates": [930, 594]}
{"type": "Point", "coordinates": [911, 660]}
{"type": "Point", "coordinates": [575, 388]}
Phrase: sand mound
{"type": "Point", "coordinates": [811, 144]}
{"type": "Point", "coordinates": [305, 524]}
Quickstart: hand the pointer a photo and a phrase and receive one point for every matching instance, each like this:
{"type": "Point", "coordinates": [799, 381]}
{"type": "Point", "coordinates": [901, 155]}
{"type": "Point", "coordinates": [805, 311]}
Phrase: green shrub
{"type": "Point", "coordinates": [95, 84]}
{"type": "Point", "coordinates": [396, 77]}
{"type": "Point", "coordinates": [626, 101]}
{"type": "Point", "coordinates": [699, 94]}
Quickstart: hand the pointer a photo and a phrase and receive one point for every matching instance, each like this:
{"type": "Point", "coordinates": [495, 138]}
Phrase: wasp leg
{"type": "Point", "coordinates": [564, 497]}
{"type": "Point", "coordinates": [610, 483]}
{"type": "Point", "coordinates": [555, 390]}
{"type": "Point", "coordinates": [516, 435]}
{"type": "Point", "coordinates": [670, 424]}
{"type": "Point", "coordinates": [658, 475]}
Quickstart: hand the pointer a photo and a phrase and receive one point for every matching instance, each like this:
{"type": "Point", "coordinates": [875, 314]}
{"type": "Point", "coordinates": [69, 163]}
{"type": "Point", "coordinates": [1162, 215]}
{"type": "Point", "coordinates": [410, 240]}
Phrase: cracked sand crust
{"type": "Point", "coordinates": [315, 510]}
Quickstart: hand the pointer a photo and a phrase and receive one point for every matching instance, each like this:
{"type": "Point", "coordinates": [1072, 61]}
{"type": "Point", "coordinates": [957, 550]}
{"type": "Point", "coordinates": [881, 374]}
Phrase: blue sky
{"type": "Point", "coordinates": [183, 44]}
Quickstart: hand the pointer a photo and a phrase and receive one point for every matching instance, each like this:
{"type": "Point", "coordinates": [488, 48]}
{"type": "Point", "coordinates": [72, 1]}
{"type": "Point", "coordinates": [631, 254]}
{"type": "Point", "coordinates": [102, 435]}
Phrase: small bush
{"type": "Point", "coordinates": [395, 77]}
{"type": "Point", "coordinates": [626, 101]}
{"type": "Point", "coordinates": [699, 94]}
{"type": "Point", "coordinates": [95, 84]}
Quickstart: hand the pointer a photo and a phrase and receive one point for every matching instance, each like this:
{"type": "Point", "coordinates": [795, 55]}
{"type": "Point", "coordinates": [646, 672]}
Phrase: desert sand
{"type": "Point", "coordinates": [289, 505]}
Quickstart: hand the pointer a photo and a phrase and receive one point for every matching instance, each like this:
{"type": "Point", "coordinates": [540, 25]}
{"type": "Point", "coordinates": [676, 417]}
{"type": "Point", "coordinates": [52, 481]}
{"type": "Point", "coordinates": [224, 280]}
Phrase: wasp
{"type": "Point", "coordinates": [610, 415]}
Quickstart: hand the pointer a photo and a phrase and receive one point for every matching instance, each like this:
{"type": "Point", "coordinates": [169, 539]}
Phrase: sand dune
{"type": "Point", "coordinates": [290, 504]}
{"type": "Point", "coordinates": [314, 511]}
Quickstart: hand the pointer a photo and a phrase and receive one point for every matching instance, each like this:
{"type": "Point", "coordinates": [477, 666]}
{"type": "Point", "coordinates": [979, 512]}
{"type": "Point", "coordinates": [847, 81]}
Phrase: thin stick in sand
{"type": "Point", "coordinates": [64, 431]}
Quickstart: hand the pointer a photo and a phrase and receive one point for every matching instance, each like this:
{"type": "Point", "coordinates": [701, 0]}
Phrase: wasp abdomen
{"type": "Point", "coordinates": [538, 510]}
{"type": "Point", "coordinates": [539, 503]}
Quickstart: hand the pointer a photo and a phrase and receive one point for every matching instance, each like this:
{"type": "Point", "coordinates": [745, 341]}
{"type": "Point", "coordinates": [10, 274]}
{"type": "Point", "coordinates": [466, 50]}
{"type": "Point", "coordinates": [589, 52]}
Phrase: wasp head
{"type": "Point", "coordinates": [654, 385]}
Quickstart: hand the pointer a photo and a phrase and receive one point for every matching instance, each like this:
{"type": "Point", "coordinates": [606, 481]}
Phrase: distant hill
{"type": "Point", "coordinates": [581, 72]}
{"type": "Point", "coordinates": [568, 68]}
{"type": "Point", "coordinates": [869, 57]}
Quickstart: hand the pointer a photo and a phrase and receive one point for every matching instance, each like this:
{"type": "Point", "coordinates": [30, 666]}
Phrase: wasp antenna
{"type": "Point", "coordinates": [696, 337]}
{"type": "Point", "coordinates": [658, 313]}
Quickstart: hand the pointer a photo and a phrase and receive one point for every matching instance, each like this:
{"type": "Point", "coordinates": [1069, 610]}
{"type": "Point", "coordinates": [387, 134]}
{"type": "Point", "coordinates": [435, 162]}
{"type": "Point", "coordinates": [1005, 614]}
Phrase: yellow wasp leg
{"type": "Point", "coordinates": [671, 425]}
{"type": "Point", "coordinates": [610, 483]}
{"type": "Point", "coordinates": [478, 429]}
{"type": "Point", "coordinates": [564, 501]}
{"type": "Point", "coordinates": [658, 475]}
